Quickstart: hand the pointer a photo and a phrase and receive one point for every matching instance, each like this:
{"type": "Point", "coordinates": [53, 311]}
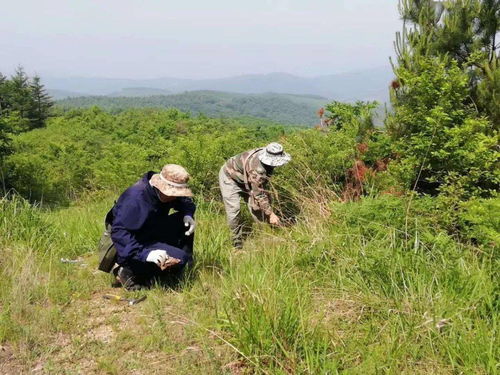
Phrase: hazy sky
{"type": "Point", "coordinates": [195, 38]}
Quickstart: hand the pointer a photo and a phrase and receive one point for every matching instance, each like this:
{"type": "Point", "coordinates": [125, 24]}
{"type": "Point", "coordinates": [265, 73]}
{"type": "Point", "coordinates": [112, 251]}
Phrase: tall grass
{"type": "Point", "coordinates": [359, 292]}
{"type": "Point", "coordinates": [366, 287]}
{"type": "Point", "coordinates": [35, 285]}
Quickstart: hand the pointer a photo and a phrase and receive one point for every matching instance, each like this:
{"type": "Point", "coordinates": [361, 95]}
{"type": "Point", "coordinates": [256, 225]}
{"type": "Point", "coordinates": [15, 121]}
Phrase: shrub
{"type": "Point", "coordinates": [90, 149]}
{"type": "Point", "coordinates": [440, 139]}
{"type": "Point", "coordinates": [479, 221]}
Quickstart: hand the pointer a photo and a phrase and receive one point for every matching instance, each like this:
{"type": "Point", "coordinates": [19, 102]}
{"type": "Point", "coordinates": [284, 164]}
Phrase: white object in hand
{"type": "Point", "coordinates": [159, 257]}
{"type": "Point", "coordinates": [190, 224]}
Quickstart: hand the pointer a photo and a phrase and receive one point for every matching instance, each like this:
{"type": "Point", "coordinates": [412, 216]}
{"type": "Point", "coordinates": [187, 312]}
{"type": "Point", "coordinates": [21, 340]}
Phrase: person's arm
{"type": "Point", "coordinates": [185, 206]}
{"type": "Point", "coordinates": [129, 217]}
{"type": "Point", "coordinates": [258, 191]}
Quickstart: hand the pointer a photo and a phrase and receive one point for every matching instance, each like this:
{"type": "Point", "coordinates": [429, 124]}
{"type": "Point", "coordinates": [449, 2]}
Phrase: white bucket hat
{"type": "Point", "coordinates": [273, 155]}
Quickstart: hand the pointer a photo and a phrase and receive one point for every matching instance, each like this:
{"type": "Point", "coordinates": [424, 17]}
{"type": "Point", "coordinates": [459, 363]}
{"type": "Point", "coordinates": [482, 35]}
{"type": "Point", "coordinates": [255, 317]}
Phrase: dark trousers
{"type": "Point", "coordinates": [169, 236]}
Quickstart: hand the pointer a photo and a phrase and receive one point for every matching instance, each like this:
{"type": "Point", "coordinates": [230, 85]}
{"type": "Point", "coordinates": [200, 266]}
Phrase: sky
{"type": "Point", "coordinates": [195, 38]}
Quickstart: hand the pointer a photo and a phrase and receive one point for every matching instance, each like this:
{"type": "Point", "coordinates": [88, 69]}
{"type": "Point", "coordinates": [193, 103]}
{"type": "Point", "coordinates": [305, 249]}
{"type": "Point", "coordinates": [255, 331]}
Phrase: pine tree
{"type": "Point", "coordinates": [464, 31]}
{"type": "Point", "coordinates": [446, 95]}
{"type": "Point", "coordinates": [42, 103]}
{"type": "Point", "coordinates": [19, 101]}
{"type": "Point", "coordinates": [24, 102]}
{"type": "Point", "coordinates": [3, 93]}
{"type": "Point", "coordinates": [4, 130]}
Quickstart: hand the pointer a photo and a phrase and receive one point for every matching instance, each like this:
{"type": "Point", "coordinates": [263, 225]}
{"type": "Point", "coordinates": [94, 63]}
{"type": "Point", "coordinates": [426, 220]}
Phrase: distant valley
{"type": "Point", "coordinates": [368, 84]}
{"type": "Point", "coordinates": [277, 97]}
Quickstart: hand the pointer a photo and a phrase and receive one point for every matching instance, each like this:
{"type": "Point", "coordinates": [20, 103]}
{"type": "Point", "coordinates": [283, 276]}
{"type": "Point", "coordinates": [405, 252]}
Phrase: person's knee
{"type": "Point", "coordinates": [232, 207]}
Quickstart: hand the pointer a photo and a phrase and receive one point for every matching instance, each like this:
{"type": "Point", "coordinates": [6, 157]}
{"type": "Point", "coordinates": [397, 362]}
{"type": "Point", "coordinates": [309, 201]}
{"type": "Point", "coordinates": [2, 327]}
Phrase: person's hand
{"type": "Point", "coordinates": [162, 259]}
{"type": "Point", "coordinates": [157, 257]}
{"type": "Point", "coordinates": [190, 224]}
{"type": "Point", "coordinates": [274, 220]}
{"type": "Point", "coordinates": [169, 262]}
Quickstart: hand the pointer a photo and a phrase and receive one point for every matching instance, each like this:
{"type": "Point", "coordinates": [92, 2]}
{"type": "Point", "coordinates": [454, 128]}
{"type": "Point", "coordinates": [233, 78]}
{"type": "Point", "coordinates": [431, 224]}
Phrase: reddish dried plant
{"type": "Point", "coordinates": [381, 165]}
{"type": "Point", "coordinates": [362, 148]}
{"type": "Point", "coordinates": [355, 177]}
{"type": "Point", "coordinates": [395, 84]}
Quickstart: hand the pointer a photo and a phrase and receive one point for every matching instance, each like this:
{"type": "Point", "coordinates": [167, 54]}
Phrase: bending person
{"type": "Point", "coordinates": [246, 176]}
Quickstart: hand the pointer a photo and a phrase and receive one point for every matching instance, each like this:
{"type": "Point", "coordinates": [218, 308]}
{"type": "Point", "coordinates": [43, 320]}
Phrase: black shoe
{"type": "Point", "coordinates": [126, 278]}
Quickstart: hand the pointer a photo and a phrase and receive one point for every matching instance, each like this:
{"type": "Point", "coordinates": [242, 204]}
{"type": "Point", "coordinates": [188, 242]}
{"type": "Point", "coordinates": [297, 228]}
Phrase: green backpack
{"type": "Point", "coordinates": [107, 250]}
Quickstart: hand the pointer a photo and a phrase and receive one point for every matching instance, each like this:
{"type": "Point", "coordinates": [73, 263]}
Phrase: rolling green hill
{"type": "Point", "coordinates": [280, 108]}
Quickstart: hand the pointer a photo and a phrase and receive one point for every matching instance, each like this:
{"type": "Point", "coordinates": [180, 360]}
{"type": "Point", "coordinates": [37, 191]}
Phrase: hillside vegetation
{"type": "Point", "coordinates": [279, 108]}
{"type": "Point", "coordinates": [398, 284]}
{"type": "Point", "coordinates": [387, 262]}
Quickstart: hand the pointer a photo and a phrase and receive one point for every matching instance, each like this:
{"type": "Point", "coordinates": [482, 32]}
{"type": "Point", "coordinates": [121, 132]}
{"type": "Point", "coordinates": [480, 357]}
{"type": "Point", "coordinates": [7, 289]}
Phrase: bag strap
{"type": "Point", "coordinates": [108, 220]}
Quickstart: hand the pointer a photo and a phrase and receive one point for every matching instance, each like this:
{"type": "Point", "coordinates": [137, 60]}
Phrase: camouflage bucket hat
{"type": "Point", "coordinates": [172, 181]}
{"type": "Point", "coordinates": [274, 155]}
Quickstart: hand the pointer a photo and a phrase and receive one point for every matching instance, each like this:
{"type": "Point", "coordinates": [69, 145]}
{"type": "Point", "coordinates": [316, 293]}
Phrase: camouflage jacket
{"type": "Point", "coordinates": [247, 171]}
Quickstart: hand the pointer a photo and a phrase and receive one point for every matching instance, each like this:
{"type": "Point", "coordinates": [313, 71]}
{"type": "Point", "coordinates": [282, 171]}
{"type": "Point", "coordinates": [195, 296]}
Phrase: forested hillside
{"type": "Point", "coordinates": [281, 108]}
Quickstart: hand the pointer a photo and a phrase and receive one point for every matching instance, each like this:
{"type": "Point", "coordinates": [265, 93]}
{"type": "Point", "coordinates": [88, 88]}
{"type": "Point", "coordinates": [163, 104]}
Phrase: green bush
{"type": "Point", "coordinates": [87, 150]}
{"type": "Point", "coordinates": [440, 139]}
{"type": "Point", "coordinates": [479, 221]}
{"type": "Point", "coordinates": [319, 158]}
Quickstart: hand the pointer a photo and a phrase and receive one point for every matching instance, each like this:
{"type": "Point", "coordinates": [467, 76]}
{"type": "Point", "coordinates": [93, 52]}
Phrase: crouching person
{"type": "Point", "coordinates": [143, 241]}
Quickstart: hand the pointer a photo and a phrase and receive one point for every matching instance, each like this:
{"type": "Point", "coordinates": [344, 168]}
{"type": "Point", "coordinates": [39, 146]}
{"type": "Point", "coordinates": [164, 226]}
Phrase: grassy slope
{"type": "Point", "coordinates": [343, 290]}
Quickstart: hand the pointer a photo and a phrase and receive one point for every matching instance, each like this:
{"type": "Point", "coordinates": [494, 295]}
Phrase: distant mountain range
{"type": "Point", "coordinates": [369, 84]}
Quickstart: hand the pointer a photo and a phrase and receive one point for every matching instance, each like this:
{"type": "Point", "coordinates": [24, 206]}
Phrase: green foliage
{"type": "Point", "coordinates": [278, 108]}
{"type": "Point", "coordinates": [379, 147]}
{"type": "Point", "coordinates": [474, 221]}
{"type": "Point", "coordinates": [359, 115]}
{"type": "Point", "coordinates": [94, 150]}
{"type": "Point", "coordinates": [464, 31]}
{"type": "Point", "coordinates": [479, 221]}
{"type": "Point", "coordinates": [42, 103]}
{"type": "Point", "coordinates": [317, 170]}
{"type": "Point", "coordinates": [5, 139]}
{"type": "Point", "coordinates": [24, 105]}
{"type": "Point", "coordinates": [319, 159]}
{"type": "Point", "coordinates": [445, 97]}
{"type": "Point", "coordinates": [488, 92]}
{"type": "Point", "coordinates": [24, 102]}
{"type": "Point", "coordinates": [440, 139]}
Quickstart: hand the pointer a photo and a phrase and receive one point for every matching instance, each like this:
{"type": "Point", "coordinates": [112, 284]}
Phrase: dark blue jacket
{"type": "Point", "coordinates": [140, 218]}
